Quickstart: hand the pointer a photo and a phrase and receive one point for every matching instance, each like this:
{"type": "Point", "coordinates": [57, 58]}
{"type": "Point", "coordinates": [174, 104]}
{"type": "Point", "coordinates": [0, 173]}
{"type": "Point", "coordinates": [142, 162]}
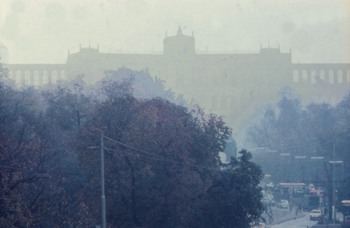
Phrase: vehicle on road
{"type": "Point", "coordinates": [346, 222]}
{"type": "Point", "coordinates": [258, 225]}
{"type": "Point", "coordinates": [315, 214]}
{"type": "Point", "coordinates": [283, 204]}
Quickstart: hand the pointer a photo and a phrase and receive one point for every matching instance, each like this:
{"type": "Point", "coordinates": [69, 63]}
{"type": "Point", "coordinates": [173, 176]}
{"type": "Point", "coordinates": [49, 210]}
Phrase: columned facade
{"type": "Point", "coordinates": [36, 75]}
{"type": "Point", "coordinates": [225, 84]}
{"type": "Point", "coordinates": [321, 73]}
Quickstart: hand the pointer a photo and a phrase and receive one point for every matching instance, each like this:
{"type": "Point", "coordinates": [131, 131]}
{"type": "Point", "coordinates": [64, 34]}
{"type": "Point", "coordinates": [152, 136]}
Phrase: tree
{"type": "Point", "coordinates": [342, 144]}
{"type": "Point", "coordinates": [281, 129]}
{"type": "Point", "coordinates": [234, 199]}
{"type": "Point", "coordinates": [143, 86]}
{"type": "Point", "coordinates": [264, 132]}
{"type": "Point", "coordinates": [26, 157]}
{"type": "Point", "coordinates": [66, 107]}
{"type": "Point", "coordinates": [161, 185]}
{"type": "Point", "coordinates": [317, 130]}
{"type": "Point", "coordinates": [34, 181]}
{"type": "Point", "coordinates": [161, 158]}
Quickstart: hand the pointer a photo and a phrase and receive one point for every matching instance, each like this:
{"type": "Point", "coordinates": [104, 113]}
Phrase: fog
{"type": "Point", "coordinates": [49, 32]}
{"type": "Point", "coordinates": [37, 31]}
{"type": "Point", "coordinates": [135, 113]}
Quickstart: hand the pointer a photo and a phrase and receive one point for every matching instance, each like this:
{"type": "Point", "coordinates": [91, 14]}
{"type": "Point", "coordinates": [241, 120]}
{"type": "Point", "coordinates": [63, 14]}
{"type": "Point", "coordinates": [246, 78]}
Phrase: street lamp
{"type": "Point", "coordinates": [285, 154]}
{"type": "Point", "coordinates": [284, 163]}
{"type": "Point", "coordinates": [336, 162]}
{"type": "Point", "coordinates": [300, 161]}
{"type": "Point", "coordinates": [316, 158]}
{"type": "Point", "coordinates": [333, 187]}
{"type": "Point", "coordinates": [103, 197]}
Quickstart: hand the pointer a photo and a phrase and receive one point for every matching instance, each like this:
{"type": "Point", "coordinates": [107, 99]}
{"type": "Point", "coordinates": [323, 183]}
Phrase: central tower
{"type": "Point", "coordinates": [179, 45]}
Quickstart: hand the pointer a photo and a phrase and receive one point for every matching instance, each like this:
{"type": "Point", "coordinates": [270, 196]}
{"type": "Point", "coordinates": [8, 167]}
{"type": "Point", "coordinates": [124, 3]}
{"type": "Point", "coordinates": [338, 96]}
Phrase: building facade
{"type": "Point", "coordinates": [232, 85]}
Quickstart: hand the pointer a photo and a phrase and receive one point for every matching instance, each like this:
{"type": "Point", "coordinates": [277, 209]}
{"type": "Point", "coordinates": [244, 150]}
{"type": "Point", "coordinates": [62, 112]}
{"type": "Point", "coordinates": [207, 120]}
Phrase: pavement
{"type": "Point", "coordinates": [327, 226]}
{"type": "Point", "coordinates": [282, 215]}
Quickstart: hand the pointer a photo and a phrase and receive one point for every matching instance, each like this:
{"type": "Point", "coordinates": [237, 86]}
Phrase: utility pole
{"type": "Point", "coordinates": [333, 164]}
{"type": "Point", "coordinates": [333, 184]}
{"type": "Point", "coordinates": [103, 198]}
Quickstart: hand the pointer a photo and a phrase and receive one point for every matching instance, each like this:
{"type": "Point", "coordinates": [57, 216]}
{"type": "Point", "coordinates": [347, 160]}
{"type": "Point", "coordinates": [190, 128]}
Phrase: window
{"type": "Point", "coordinates": [331, 77]}
{"type": "Point", "coordinates": [295, 76]}
{"type": "Point", "coordinates": [54, 77]}
{"type": "Point", "coordinates": [313, 77]}
{"type": "Point", "coordinates": [304, 76]}
{"type": "Point", "coordinates": [45, 80]}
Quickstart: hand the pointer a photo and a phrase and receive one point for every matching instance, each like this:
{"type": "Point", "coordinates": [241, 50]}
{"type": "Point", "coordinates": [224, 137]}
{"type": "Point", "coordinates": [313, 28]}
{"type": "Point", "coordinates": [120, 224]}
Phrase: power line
{"type": "Point", "coordinates": [153, 156]}
{"type": "Point", "coordinates": [10, 167]}
{"type": "Point", "coordinates": [163, 159]}
{"type": "Point", "coordinates": [293, 144]}
{"type": "Point", "coordinates": [131, 147]}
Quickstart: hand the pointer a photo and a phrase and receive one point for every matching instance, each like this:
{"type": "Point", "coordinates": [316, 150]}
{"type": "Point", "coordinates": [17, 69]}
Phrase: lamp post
{"type": "Point", "coordinates": [301, 168]}
{"type": "Point", "coordinates": [103, 198]}
{"type": "Point", "coordinates": [284, 157]}
{"type": "Point", "coordinates": [102, 166]}
{"type": "Point", "coordinates": [316, 164]}
{"type": "Point", "coordinates": [333, 163]}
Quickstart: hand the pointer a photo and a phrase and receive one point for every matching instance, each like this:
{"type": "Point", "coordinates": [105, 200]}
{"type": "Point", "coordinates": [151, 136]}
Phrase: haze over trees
{"type": "Point", "coordinates": [161, 160]}
{"type": "Point", "coordinates": [305, 139]}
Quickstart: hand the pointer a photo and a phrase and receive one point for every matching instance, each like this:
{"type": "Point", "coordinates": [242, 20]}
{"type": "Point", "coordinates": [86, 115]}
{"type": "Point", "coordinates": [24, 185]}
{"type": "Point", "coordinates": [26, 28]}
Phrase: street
{"type": "Point", "coordinates": [303, 222]}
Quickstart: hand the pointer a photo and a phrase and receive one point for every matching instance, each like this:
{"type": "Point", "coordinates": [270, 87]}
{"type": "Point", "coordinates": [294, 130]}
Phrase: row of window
{"type": "Point", "coordinates": [227, 103]}
{"type": "Point", "coordinates": [36, 77]}
{"type": "Point", "coordinates": [315, 77]}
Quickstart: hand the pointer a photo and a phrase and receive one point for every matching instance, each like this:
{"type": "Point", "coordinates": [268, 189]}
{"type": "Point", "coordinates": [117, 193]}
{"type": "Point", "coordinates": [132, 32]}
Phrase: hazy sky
{"type": "Point", "coordinates": [42, 31]}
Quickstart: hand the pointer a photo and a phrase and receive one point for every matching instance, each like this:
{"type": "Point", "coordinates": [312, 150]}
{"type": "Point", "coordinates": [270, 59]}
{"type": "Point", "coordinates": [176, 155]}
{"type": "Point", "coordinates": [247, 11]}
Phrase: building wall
{"type": "Point", "coordinates": [4, 55]}
{"type": "Point", "coordinates": [226, 84]}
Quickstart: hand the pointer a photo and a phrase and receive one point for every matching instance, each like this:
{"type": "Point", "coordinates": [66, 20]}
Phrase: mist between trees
{"type": "Point", "coordinates": [166, 171]}
{"type": "Point", "coordinates": [306, 145]}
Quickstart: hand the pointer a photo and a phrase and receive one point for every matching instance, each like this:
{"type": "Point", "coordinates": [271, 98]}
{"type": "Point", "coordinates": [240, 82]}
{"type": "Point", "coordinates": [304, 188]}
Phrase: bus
{"type": "Point", "coordinates": [345, 207]}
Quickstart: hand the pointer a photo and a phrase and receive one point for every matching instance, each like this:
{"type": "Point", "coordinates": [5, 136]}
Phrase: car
{"type": "Point", "coordinates": [315, 214]}
{"type": "Point", "coordinates": [283, 204]}
{"type": "Point", "coordinates": [346, 222]}
{"type": "Point", "coordinates": [257, 225]}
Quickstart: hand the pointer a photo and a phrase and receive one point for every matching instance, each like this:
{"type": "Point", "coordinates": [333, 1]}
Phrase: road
{"type": "Point", "coordinates": [302, 222]}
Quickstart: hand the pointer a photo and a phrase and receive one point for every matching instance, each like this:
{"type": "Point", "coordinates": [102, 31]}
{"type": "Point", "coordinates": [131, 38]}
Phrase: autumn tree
{"type": "Point", "coordinates": [317, 130]}
{"type": "Point", "coordinates": [161, 184]}
{"type": "Point", "coordinates": [280, 129]}
{"type": "Point", "coordinates": [34, 164]}
{"type": "Point", "coordinates": [234, 199]}
{"type": "Point", "coordinates": [143, 86]}
{"type": "Point", "coordinates": [26, 158]}
{"type": "Point", "coordinates": [161, 158]}
{"type": "Point", "coordinates": [342, 145]}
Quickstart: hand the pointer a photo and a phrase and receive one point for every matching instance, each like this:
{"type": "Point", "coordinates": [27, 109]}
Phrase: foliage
{"type": "Point", "coordinates": [234, 199]}
{"type": "Point", "coordinates": [160, 185]}
{"type": "Point", "coordinates": [26, 157]}
{"type": "Point", "coordinates": [318, 130]}
{"type": "Point", "coordinates": [142, 85]}
{"type": "Point", "coordinates": [161, 163]}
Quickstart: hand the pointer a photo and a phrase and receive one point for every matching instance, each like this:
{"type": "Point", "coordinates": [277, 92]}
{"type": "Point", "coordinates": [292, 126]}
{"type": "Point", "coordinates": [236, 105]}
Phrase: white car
{"type": "Point", "coordinates": [315, 214]}
{"type": "Point", "coordinates": [284, 204]}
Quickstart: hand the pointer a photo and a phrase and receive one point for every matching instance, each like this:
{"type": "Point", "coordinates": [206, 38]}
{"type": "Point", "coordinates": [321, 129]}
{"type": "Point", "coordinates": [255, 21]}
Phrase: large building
{"type": "Point", "coordinates": [4, 56]}
{"type": "Point", "coordinates": [233, 85]}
